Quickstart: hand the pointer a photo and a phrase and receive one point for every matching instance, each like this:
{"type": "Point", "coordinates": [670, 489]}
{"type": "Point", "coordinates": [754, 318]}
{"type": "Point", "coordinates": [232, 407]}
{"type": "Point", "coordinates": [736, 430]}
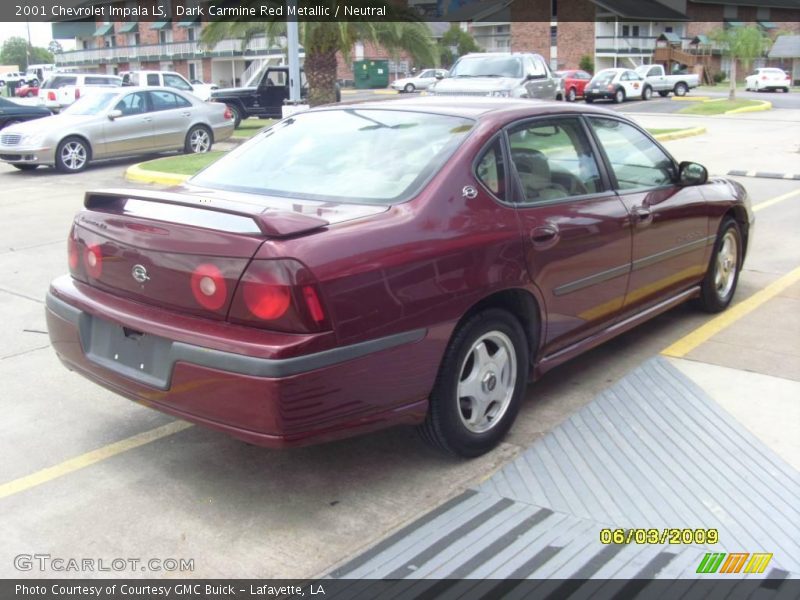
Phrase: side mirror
{"type": "Point", "coordinates": [690, 173]}
{"type": "Point", "coordinates": [114, 114]}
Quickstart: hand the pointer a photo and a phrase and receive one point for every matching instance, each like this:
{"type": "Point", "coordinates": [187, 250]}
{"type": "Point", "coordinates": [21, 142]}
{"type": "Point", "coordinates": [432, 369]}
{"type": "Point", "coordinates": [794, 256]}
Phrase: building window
{"type": "Point", "coordinates": [667, 29]}
{"type": "Point", "coordinates": [165, 36]}
{"type": "Point", "coordinates": [630, 31]}
{"type": "Point", "coordinates": [730, 11]}
{"type": "Point", "coordinates": [554, 35]}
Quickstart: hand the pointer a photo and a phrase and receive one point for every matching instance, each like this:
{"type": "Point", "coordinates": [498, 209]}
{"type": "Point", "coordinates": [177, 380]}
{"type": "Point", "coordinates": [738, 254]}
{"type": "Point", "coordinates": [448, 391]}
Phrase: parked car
{"type": "Point", "coordinates": [677, 83]}
{"type": "Point", "coordinates": [617, 85]}
{"type": "Point", "coordinates": [266, 98]}
{"type": "Point", "coordinates": [62, 89]}
{"type": "Point", "coordinates": [421, 81]}
{"type": "Point", "coordinates": [168, 79]}
{"type": "Point", "coordinates": [501, 75]}
{"type": "Point", "coordinates": [360, 266]}
{"type": "Point", "coordinates": [768, 79]}
{"type": "Point", "coordinates": [27, 91]}
{"type": "Point", "coordinates": [12, 113]}
{"type": "Point", "coordinates": [574, 82]}
{"type": "Point", "coordinates": [10, 77]}
{"type": "Point", "coordinates": [116, 122]}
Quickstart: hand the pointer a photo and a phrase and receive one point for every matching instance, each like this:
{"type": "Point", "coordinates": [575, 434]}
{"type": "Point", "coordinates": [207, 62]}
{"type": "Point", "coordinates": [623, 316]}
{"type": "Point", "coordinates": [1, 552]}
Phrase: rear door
{"type": "Point", "coordinates": [172, 115]}
{"type": "Point", "coordinates": [575, 228]}
{"type": "Point", "coordinates": [670, 224]}
{"type": "Point", "coordinates": [132, 132]}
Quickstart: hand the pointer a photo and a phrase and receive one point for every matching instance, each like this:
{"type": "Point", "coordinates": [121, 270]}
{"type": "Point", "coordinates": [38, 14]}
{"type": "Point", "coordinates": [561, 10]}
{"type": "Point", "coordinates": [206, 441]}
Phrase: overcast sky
{"type": "Point", "coordinates": [41, 33]}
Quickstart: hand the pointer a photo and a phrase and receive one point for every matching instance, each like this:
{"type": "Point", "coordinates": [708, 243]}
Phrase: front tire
{"type": "Point", "coordinates": [480, 385]}
{"type": "Point", "coordinates": [198, 140]}
{"type": "Point", "coordinates": [73, 155]}
{"type": "Point", "coordinates": [409, 88]}
{"type": "Point", "coordinates": [722, 276]}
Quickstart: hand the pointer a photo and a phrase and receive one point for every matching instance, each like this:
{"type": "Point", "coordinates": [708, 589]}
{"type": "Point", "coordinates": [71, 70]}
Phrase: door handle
{"type": "Point", "coordinates": [147, 119]}
{"type": "Point", "coordinates": [642, 214]}
{"type": "Point", "coordinates": [187, 114]}
{"type": "Point", "coordinates": [545, 236]}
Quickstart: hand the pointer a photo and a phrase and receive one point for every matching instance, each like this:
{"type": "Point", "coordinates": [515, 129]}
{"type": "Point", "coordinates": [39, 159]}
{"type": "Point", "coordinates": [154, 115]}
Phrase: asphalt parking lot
{"type": "Point", "coordinates": [88, 474]}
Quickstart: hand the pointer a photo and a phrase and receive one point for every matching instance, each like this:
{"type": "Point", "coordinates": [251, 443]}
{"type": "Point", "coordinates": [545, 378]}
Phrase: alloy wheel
{"type": "Point", "coordinates": [199, 141]}
{"type": "Point", "coordinates": [74, 155]}
{"type": "Point", "coordinates": [726, 264]}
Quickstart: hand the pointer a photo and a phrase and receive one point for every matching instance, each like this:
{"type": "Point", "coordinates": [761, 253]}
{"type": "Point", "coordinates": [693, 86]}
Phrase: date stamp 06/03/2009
{"type": "Point", "coordinates": [659, 536]}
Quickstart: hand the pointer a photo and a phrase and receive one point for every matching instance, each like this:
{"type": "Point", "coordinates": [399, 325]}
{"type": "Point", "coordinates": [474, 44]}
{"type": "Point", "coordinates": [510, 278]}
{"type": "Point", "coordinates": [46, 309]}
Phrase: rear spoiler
{"type": "Point", "coordinates": [272, 223]}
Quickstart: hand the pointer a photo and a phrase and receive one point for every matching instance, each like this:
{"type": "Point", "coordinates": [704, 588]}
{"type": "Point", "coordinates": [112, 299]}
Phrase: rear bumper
{"type": "Point", "coordinates": [275, 402]}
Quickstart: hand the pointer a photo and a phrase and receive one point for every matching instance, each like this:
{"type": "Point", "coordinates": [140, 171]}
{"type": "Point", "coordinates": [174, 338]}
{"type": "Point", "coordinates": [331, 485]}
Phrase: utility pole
{"type": "Point", "coordinates": [28, 47]}
{"type": "Point", "coordinates": [293, 42]}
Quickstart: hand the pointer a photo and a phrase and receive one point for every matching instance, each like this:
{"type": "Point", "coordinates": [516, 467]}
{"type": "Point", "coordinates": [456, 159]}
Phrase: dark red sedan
{"type": "Point", "coordinates": [407, 262]}
{"type": "Point", "coordinates": [575, 82]}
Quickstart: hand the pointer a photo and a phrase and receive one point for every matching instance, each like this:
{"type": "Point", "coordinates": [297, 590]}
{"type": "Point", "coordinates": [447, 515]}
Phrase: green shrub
{"type": "Point", "coordinates": [586, 63]}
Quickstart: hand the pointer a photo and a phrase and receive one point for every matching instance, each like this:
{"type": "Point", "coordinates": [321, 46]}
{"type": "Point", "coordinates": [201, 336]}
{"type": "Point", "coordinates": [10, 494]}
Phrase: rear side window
{"type": "Point", "coordinates": [553, 160]}
{"type": "Point", "coordinates": [167, 101]}
{"type": "Point", "coordinates": [100, 81]}
{"type": "Point", "coordinates": [491, 172]}
{"type": "Point", "coordinates": [152, 79]}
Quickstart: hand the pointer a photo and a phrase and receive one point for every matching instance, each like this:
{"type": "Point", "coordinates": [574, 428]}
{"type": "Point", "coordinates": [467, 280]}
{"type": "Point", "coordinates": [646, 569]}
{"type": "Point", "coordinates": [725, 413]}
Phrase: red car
{"type": "Point", "coordinates": [406, 262]}
{"type": "Point", "coordinates": [575, 81]}
{"type": "Point", "coordinates": [27, 91]}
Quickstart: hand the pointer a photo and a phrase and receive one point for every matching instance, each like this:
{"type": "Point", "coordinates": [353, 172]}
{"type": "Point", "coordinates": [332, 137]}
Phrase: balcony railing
{"type": "Point", "coordinates": [167, 51]}
{"type": "Point", "coordinates": [609, 44]}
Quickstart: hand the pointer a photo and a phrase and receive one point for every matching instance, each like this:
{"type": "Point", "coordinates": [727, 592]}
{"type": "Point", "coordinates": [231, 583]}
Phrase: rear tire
{"type": "Point", "coordinates": [480, 385]}
{"type": "Point", "coordinates": [73, 155]}
{"type": "Point", "coordinates": [722, 276]}
{"type": "Point", "coordinates": [647, 93]}
{"type": "Point", "coordinates": [571, 95]}
{"type": "Point", "coordinates": [199, 140]}
{"type": "Point", "coordinates": [680, 89]}
{"type": "Point", "coordinates": [619, 96]}
{"type": "Point", "coordinates": [237, 115]}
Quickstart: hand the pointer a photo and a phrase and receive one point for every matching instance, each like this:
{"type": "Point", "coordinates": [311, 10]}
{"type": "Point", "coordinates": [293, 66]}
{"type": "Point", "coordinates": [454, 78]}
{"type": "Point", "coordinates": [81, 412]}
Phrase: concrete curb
{"type": "Point", "coordinates": [763, 105]}
{"type": "Point", "coordinates": [677, 135]}
{"type": "Point", "coordinates": [139, 175]}
{"type": "Point", "coordinates": [691, 98]}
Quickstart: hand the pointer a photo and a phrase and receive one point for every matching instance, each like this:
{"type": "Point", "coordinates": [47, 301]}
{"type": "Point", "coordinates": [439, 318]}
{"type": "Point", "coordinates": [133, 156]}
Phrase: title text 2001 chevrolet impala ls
{"type": "Point", "coordinates": [411, 262]}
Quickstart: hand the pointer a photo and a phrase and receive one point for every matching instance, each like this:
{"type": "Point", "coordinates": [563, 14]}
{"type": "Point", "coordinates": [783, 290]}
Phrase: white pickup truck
{"type": "Point", "coordinates": [168, 79]}
{"type": "Point", "coordinates": [678, 84]}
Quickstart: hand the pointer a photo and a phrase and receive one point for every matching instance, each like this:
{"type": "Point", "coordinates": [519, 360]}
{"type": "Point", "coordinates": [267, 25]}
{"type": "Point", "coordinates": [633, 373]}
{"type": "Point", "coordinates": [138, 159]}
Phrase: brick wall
{"type": "Point", "coordinates": [530, 27]}
{"type": "Point", "coordinates": [575, 32]}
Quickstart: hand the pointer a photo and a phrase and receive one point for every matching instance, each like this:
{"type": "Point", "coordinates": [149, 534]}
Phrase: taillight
{"type": "Point", "coordinates": [209, 287]}
{"type": "Point", "coordinates": [228, 114]}
{"type": "Point", "coordinates": [77, 93]}
{"type": "Point", "coordinates": [610, 88]}
{"type": "Point", "coordinates": [763, 78]}
{"type": "Point", "coordinates": [93, 260]}
{"type": "Point", "coordinates": [51, 96]}
{"type": "Point", "coordinates": [281, 295]}
{"type": "Point", "coordinates": [73, 253]}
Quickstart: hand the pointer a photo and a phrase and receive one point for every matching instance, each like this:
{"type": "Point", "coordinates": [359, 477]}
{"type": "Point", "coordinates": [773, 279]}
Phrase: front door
{"type": "Point", "coordinates": [576, 229]}
{"type": "Point", "coordinates": [132, 132]}
{"type": "Point", "coordinates": [671, 241]}
{"type": "Point", "coordinates": [273, 91]}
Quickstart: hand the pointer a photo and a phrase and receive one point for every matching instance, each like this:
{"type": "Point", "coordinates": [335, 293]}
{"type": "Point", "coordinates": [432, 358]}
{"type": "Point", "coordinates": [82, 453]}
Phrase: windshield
{"type": "Point", "coordinates": [365, 156]}
{"type": "Point", "coordinates": [488, 66]}
{"type": "Point", "coordinates": [90, 105]}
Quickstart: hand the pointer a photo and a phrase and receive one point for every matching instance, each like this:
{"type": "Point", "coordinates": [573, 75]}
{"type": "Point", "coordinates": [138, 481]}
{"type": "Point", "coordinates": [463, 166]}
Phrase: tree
{"type": "Point", "coordinates": [586, 64]}
{"type": "Point", "coordinates": [458, 39]}
{"type": "Point", "coordinates": [744, 44]}
{"type": "Point", "coordinates": [400, 31]}
{"type": "Point", "coordinates": [16, 51]}
{"type": "Point", "coordinates": [54, 47]}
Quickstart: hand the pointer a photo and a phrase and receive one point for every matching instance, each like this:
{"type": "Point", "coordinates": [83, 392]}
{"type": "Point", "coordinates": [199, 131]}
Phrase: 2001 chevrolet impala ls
{"type": "Point", "coordinates": [406, 262]}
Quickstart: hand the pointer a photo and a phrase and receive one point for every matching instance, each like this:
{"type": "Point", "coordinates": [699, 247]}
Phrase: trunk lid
{"type": "Point", "coordinates": [185, 248]}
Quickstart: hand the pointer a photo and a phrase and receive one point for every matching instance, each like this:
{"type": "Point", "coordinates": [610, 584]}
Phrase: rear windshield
{"type": "Point", "coordinates": [604, 77]}
{"type": "Point", "coordinates": [488, 66]}
{"type": "Point", "coordinates": [59, 81]}
{"type": "Point", "coordinates": [369, 156]}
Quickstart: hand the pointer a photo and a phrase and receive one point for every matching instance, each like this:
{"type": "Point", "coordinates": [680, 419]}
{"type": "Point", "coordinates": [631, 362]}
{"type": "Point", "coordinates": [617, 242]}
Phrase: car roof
{"type": "Point", "coordinates": [472, 107]}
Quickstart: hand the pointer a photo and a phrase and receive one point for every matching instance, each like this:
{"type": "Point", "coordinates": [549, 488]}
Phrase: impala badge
{"type": "Point", "coordinates": [139, 273]}
{"type": "Point", "coordinates": [469, 192]}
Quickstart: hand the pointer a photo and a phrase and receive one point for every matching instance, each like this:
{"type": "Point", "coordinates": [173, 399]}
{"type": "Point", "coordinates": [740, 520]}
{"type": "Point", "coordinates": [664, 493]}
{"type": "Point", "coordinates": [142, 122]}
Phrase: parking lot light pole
{"type": "Point", "coordinates": [292, 38]}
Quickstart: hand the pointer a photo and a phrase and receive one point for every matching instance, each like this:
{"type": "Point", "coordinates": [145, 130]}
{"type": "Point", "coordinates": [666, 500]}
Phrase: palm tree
{"type": "Point", "coordinates": [744, 44]}
{"type": "Point", "coordinates": [402, 31]}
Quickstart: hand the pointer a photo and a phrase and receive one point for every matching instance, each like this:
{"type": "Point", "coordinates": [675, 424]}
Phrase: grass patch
{"type": "Point", "coordinates": [185, 164]}
{"type": "Point", "coordinates": [249, 127]}
{"type": "Point", "coordinates": [716, 107]}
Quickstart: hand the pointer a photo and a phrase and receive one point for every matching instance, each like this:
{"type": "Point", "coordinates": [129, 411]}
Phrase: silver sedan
{"type": "Point", "coordinates": [115, 123]}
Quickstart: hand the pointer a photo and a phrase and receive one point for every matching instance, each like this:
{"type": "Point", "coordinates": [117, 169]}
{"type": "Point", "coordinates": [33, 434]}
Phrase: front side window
{"type": "Point", "coordinates": [553, 160]}
{"type": "Point", "coordinates": [132, 104]}
{"type": "Point", "coordinates": [636, 160]}
{"type": "Point", "coordinates": [371, 156]}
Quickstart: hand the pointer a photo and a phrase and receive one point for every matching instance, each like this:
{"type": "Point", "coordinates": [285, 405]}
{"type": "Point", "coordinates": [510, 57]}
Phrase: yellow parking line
{"type": "Point", "coordinates": [84, 460]}
{"type": "Point", "coordinates": [705, 332]}
{"type": "Point", "coordinates": [766, 203]}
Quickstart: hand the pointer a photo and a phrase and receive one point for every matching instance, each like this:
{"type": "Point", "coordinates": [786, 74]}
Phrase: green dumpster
{"type": "Point", "coordinates": [371, 74]}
